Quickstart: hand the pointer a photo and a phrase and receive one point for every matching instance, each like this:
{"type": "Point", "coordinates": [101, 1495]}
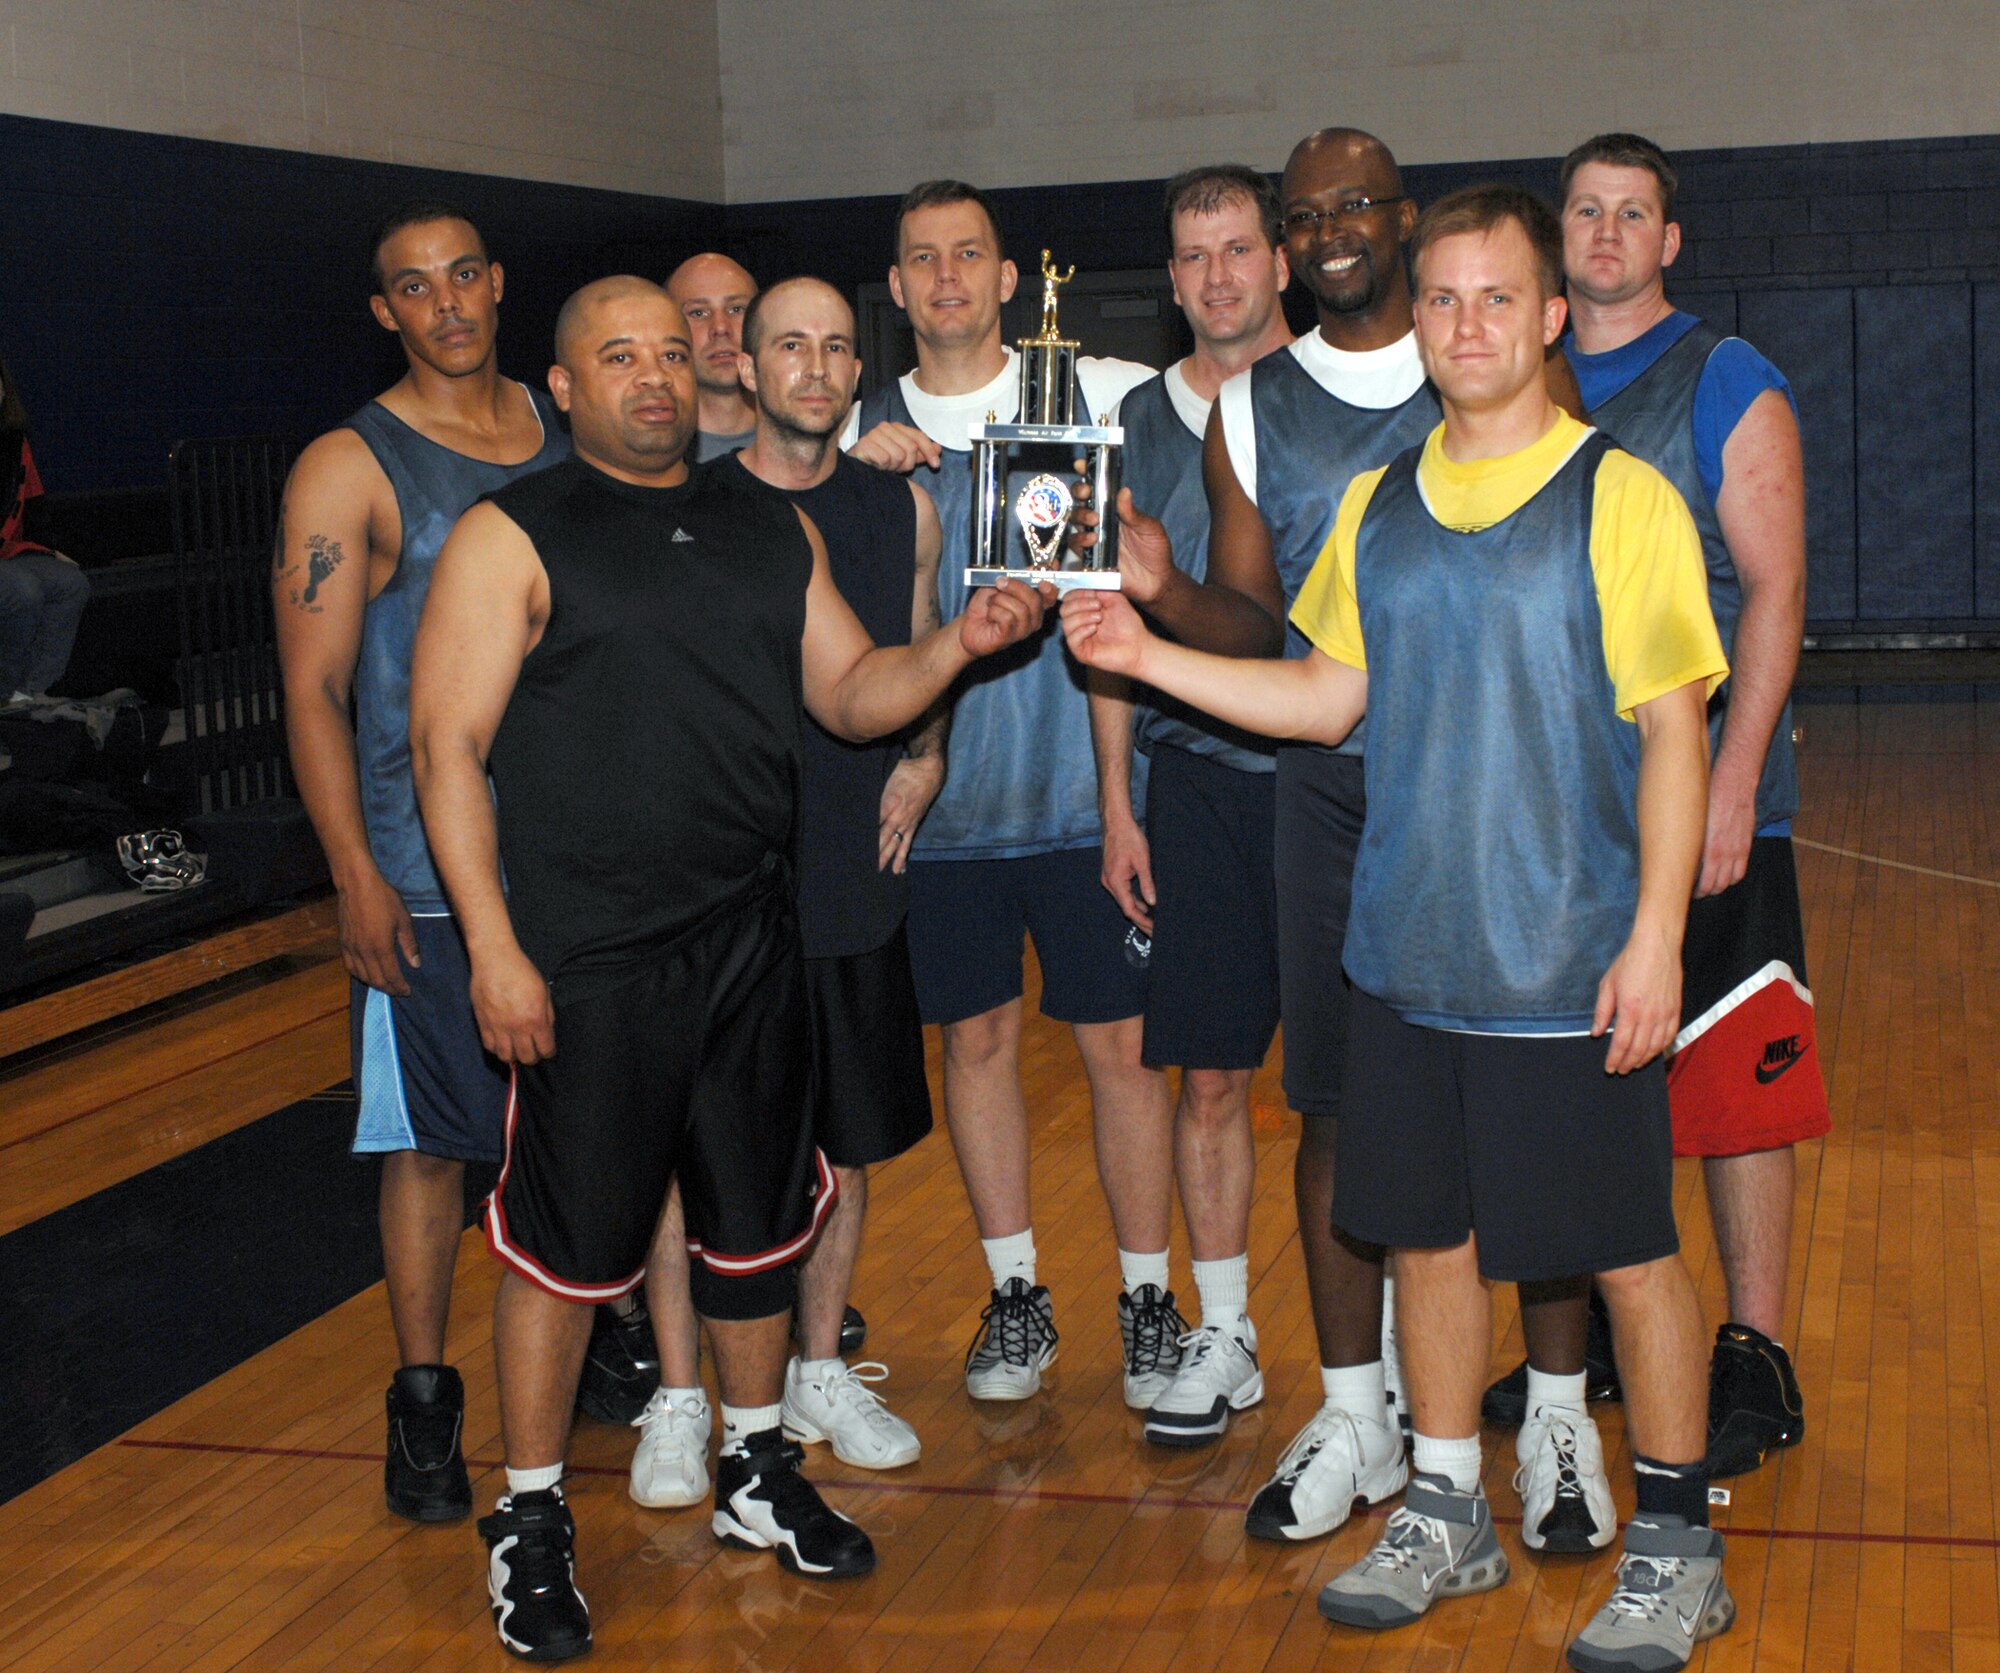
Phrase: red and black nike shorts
{"type": "Point", "coordinates": [1745, 1075]}
{"type": "Point", "coordinates": [694, 1061]}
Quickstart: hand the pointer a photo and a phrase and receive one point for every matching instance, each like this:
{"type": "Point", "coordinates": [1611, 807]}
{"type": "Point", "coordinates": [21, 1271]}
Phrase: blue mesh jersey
{"type": "Point", "coordinates": [1163, 470]}
{"type": "Point", "coordinates": [1310, 445]}
{"type": "Point", "coordinates": [1020, 777]}
{"type": "Point", "coordinates": [434, 485]}
{"type": "Point", "coordinates": [1511, 932]}
{"type": "Point", "coordinates": [1672, 396]}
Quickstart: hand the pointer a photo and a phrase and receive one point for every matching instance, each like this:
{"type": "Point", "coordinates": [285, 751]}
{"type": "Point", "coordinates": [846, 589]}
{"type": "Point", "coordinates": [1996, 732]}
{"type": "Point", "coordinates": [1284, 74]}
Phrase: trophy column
{"type": "Point", "coordinates": [1022, 523]}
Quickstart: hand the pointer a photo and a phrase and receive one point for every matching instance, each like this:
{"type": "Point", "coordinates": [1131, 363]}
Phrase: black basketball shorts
{"type": "Point", "coordinates": [873, 1101]}
{"type": "Point", "coordinates": [695, 1062]}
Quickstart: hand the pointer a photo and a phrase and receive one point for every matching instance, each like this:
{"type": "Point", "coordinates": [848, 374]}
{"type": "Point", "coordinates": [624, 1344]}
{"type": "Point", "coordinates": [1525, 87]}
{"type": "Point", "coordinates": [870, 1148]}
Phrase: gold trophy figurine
{"type": "Point", "coordinates": [1050, 280]}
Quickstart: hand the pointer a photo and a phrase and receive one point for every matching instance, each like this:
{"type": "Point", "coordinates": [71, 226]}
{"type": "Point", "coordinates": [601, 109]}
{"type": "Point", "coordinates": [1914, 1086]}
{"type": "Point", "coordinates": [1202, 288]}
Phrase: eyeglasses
{"type": "Point", "coordinates": [1348, 209]}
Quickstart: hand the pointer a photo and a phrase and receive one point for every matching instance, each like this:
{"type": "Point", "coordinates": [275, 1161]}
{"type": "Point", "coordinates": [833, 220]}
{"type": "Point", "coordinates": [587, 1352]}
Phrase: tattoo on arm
{"type": "Point", "coordinates": [323, 557]}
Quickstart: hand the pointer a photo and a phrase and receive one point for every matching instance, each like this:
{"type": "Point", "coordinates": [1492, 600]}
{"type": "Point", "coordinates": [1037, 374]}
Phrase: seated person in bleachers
{"type": "Point", "coordinates": [42, 593]}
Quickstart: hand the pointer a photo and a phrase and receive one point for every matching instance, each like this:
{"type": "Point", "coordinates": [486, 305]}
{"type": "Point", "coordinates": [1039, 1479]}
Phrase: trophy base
{"type": "Point", "coordinates": [1063, 580]}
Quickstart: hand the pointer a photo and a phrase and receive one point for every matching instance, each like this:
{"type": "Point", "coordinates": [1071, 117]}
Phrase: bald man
{"type": "Point", "coordinates": [714, 294]}
{"type": "Point", "coordinates": [633, 760]}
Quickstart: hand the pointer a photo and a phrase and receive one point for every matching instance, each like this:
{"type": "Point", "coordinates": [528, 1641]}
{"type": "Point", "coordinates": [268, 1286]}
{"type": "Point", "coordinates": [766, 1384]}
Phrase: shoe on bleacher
{"type": "Point", "coordinates": [1015, 1344]}
{"type": "Point", "coordinates": [1336, 1460]}
{"type": "Point", "coordinates": [833, 1402]}
{"type": "Point", "coordinates": [670, 1464]}
{"type": "Point", "coordinates": [1150, 1328]}
{"type": "Point", "coordinates": [423, 1471]}
{"type": "Point", "coordinates": [1218, 1375]}
{"type": "Point", "coordinates": [531, 1577]}
{"type": "Point", "coordinates": [1565, 1494]}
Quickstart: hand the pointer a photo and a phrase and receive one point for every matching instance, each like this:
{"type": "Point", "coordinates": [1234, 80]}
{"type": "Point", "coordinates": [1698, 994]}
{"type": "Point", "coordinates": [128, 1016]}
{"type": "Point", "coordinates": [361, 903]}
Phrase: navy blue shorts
{"type": "Point", "coordinates": [1212, 983]}
{"type": "Point", "coordinates": [873, 1101]}
{"type": "Point", "coordinates": [968, 919]}
{"type": "Point", "coordinates": [1559, 1168]}
{"type": "Point", "coordinates": [422, 1079]}
{"type": "Point", "coordinates": [1321, 804]}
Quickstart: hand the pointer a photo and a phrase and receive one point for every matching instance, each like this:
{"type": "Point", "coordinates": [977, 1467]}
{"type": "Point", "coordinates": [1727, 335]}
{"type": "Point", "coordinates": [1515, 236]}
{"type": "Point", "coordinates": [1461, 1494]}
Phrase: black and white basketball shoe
{"type": "Point", "coordinates": [531, 1577]}
{"type": "Point", "coordinates": [762, 1503]}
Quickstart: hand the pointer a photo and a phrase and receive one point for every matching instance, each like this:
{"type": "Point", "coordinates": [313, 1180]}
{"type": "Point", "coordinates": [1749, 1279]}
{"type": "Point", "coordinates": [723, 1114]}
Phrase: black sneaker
{"type": "Point", "coordinates": [853, 1332]}
{"type": "Point", "coordinates": [621, 1368]}
{"type": "Point", "coordinates": [423, 1474]}
{"type": "Point", "coordinates": [1506, 1401]}
{"type": "Point", "coordinates": [1754, 1405]}
{"type": "Point", "coordinates": [531, 1577]}
{"type": "Point", "coordinates": [762, 1503]}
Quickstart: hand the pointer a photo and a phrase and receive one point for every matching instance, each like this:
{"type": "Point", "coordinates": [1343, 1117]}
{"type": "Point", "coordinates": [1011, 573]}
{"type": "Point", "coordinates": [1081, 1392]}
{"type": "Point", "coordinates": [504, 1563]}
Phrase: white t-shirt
{"type": "Point", "coordinates": [948, 419]}
{"type": "Point", "coordinates": [1191, 408]}
{"type": "Point", "coordinates": [1375, 378]}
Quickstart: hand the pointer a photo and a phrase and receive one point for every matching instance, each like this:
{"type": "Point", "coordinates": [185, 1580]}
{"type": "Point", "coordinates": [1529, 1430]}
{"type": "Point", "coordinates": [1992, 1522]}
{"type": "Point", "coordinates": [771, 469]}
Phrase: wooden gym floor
{"type": "Point", "coordinates": [243, 1527]}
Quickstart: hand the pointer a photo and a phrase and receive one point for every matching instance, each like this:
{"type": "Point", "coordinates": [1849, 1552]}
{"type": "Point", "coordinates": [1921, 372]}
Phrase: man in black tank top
{"type": "Point", "coordinates": [861, 806]}
{"type": "Point", "coordinates": [366, 509]}
{"type": "Point", "coordinates": [629, 646]}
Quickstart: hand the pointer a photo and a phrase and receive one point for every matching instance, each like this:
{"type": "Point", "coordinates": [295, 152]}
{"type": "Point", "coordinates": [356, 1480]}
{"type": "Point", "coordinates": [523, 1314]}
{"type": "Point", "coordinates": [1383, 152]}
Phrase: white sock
{"type": "Point", "coordinates": [811, 1368]}
{"type": "Point", "coordinates": [1224, 1287]}
{"type": "Point", "coordinates": [1546, 1388]}
{"type": "Point", "coordinates": [1457, 1461]}
{"type": "Point", "coordinates": [1134, 1270]}
{"type": "Point", "coordinates": [533, 1481]}
{"type": "Point", "coordinates": [625, 1306]}
{"type": "Point", "coordinates": [1358, 1390]}
{"type": "Point", "coordinates": [1388, 1307]}
{"type": "Point", "coordinates": [1011, 1257]}
{"type": "Point", "coordinates": [741, 1422]}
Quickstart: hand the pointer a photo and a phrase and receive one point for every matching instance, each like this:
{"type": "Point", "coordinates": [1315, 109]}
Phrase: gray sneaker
{"type": "Point", "coordinates": [1015, 1345]}
{"type": "Point", "coordinates": [1439, 1543]}
{"type": "Point", "coordinates": [1150, 1328]}
{"type": "Point", "coordinates": [1669, 1597]}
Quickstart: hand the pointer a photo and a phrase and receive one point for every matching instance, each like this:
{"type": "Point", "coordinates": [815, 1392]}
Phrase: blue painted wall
{"type": "Point", "coordinates": [157, 288]}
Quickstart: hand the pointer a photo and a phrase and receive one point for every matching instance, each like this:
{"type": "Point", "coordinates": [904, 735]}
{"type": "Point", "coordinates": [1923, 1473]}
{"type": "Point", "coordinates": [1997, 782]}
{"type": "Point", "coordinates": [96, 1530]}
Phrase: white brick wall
{"type": "Point", "coordinates": [611, 93]}
{"type": "Point", "coordinates": [870, 95]}
{"type": "Point", "coordinates": [776, 99]}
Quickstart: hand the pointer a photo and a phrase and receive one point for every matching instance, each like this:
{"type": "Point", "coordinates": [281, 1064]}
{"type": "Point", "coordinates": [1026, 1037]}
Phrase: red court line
{"type": "Point", "coordinates": [1038, 1495]}
{"type": "Point", "coordinates": [153, 1086]}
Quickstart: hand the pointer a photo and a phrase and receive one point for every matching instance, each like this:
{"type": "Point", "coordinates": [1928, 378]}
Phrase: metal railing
{"type": "Point", "coordinates": [226, 495]}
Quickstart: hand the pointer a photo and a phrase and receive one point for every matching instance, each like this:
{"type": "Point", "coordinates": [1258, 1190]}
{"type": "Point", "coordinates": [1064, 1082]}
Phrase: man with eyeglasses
{"type": "Point", "coordinates": [1284, 440]}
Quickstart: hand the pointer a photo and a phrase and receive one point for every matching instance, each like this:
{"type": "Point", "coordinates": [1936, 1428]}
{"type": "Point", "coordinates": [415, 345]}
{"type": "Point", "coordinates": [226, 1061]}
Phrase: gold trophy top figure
{"type": "Point", "coordinates": [1050, 280]}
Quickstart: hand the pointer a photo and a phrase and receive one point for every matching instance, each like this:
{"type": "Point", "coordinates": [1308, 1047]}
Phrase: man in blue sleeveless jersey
{"type": "Point", "coordinates": [365, 513]}
{"type": "Point", "coordinates": [714, 293]}
{"type": "Point", "coordinates": [1012, 846]}
{"type": "Point", "coordinates": [1284, 440]}
{"type": "Point", "coordinates": [1718, 419]}
{"type": "Point", "coordinates": [1534, 831]}
{"type": "Point", "coordinates": [1201, 863]}
{"type": "Point", "coordinates": [861, 804]}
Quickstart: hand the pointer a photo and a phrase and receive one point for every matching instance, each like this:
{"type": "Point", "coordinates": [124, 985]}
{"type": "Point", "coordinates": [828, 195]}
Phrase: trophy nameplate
{"type": "Point", "coordinates": [1024, 508]}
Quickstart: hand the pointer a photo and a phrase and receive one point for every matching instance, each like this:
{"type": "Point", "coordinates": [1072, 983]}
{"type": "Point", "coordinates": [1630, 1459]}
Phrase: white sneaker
{"type": "Point", "coordinates": [1565, 1496]}
{"type": "Point", "coordinates": [670, 1469]}
{"type": "Point", "coordinates": [837, 1405]}
{"type": "Point", "coordinates": [1336, 1459]}
{"type": "Point", "coordinates": [1218, 1375]}
{"type": "Point", "coordinates": [1150, 1328]}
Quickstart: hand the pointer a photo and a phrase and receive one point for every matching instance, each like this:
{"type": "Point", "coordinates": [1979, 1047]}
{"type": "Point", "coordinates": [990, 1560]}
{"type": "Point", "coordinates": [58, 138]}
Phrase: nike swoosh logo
{"type": "Point", "coordinates": [1765, 1074]}
{"type": "Point", "coordinates": [1688, 1622]}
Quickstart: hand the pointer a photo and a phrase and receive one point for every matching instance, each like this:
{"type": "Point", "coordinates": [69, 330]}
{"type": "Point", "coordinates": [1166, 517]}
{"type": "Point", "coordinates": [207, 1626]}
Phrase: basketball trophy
{"type": "Point", "coordinates": [1023, 505]}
